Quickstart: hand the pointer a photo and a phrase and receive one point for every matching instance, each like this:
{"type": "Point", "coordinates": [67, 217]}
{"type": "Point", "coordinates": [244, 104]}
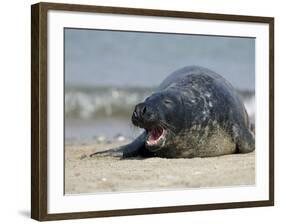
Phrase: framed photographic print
{"type": "Point", "coordinates": [141, 111]}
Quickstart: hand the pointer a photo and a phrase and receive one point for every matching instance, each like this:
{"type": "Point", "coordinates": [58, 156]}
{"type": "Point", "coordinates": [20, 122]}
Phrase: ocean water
{"type": "Point", "coordinates": [108, 72]}
{"type": "Point", "coordinates": [106, 111]}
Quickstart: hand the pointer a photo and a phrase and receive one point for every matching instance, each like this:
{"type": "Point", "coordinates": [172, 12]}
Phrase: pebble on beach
{"type": "Point", "coordinates": [101, 139]}
{"type": "Point", "coordinates": [120, 138]}
{"type": "Point", "coordinates": [83, 156]}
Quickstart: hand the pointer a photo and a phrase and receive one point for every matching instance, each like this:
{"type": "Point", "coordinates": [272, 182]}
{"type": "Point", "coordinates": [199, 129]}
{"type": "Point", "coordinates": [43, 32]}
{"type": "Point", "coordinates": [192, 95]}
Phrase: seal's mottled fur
{"type": "Point", "coordinates": [204, 117]}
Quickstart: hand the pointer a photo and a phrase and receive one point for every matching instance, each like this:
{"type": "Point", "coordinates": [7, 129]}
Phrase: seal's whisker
{"type": "Point", "coordinates": [166, 126]}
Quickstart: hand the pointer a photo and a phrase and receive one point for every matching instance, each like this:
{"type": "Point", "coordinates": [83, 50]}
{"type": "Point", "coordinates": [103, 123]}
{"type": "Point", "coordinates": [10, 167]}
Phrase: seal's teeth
{"type": "Point", "coordinates": [151, 140]}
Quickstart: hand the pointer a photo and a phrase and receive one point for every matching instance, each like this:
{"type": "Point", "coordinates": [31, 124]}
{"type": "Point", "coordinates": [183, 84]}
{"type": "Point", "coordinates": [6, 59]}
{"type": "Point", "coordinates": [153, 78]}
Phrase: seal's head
{"type": "Point", "coordinates": [161, 116]}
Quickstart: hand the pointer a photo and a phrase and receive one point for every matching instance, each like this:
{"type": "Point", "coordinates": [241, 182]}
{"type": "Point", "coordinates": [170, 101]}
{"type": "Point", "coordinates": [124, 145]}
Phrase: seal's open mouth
{"type": "Point", "coordinates": [156, 136]}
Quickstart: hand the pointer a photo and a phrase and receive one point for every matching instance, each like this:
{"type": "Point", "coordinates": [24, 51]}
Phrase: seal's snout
{"type": "Point", "coordinates": [143, 114]}
{"type": "Point", "coordinates": [140, 110]}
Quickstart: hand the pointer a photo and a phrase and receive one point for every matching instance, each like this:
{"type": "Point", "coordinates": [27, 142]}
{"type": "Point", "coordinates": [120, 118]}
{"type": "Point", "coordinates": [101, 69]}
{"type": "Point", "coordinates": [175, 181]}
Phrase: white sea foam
{"type": "Point", "coordinates": [106, 110]}
{"type": "Point", "coordinates": [102, 102]}
{"type": "Point", "coordinates": [99, 102]}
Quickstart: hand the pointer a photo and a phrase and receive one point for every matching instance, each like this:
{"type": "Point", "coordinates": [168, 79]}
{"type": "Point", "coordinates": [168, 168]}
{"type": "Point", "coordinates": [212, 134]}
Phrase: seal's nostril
{"type": "Point", "coordinates": [140, 111]}
{"type": "Point", "coordinates": [135, 114]}
{"type": "Point", "coordinates": [143, 110]}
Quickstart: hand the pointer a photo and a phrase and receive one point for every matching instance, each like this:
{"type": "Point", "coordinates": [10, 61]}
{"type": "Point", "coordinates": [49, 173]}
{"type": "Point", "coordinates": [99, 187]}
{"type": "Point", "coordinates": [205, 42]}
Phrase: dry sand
{"type": "Point", "coordinates": [85, 174]}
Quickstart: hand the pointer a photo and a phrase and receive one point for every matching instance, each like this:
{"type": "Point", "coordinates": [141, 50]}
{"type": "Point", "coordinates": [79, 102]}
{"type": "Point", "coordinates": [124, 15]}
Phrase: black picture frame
{"type": "Point", "coordinates": [39, 105]}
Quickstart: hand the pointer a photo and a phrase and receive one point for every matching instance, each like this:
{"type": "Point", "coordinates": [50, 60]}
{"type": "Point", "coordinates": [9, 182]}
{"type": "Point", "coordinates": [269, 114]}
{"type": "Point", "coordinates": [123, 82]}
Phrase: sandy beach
{"type": "Point", "coordinates": [111, 173]}
{"type": "Point", "coordinates": [100, 99]}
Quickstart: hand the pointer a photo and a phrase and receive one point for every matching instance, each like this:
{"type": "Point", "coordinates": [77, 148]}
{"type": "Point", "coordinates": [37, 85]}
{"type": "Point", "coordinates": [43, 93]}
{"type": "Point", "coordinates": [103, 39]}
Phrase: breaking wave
{"type": "Point", "coordinates": [98, 102]}
{"type": "Point", "coordinates": [101, 102]}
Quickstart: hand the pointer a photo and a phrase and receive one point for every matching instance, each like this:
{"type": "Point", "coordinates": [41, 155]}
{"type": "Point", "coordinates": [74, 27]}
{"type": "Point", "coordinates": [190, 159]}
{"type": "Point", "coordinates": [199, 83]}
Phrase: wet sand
{"type": "Point", "coordinates": [111, 173]}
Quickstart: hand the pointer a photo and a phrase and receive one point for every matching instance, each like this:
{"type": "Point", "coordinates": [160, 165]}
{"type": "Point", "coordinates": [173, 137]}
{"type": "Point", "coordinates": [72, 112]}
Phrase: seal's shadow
{"type": "Point", "coordinates": [134, 158]}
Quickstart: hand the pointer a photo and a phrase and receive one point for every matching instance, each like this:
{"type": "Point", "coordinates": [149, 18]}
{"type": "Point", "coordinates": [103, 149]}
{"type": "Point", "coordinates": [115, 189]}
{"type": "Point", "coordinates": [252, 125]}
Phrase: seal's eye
{"type": "Point", "coordinates": [168, 102]}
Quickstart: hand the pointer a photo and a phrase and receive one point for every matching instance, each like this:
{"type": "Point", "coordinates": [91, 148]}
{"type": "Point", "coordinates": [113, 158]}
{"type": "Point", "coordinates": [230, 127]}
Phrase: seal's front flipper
{"type": "Point", "coordinates": [135, 148]}
{"type": "Point", "coordinates": [111, 152]}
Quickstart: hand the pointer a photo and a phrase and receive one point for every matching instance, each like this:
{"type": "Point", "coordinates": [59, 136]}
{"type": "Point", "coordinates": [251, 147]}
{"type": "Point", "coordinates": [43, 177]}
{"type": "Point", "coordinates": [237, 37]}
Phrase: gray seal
{"type": "Point", "coordinates": [194, 113]}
